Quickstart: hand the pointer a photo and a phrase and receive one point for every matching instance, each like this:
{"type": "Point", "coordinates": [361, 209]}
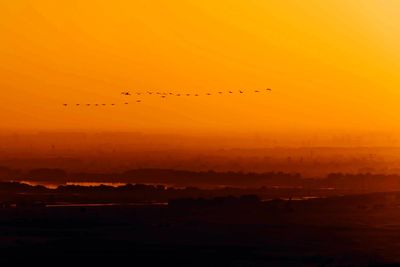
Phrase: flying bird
{"type": "Point", "coordinates": [256, 91]}
{"type": "Point", "coordinates": [65, 105]}
{"type": "Point", "coordinates": [126, 93]}
{"type": "Point", "coordinates": [240, 91]}
{"type": "Point", "coordinates": [269, 89]}
{"type": "Point", "coordinates": [230, 92]}
{"type": "Point", "coordinates": [138, 100]}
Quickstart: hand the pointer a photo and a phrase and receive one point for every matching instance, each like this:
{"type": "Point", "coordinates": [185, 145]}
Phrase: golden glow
{"type": "Point", "coordinates": [333, 65]}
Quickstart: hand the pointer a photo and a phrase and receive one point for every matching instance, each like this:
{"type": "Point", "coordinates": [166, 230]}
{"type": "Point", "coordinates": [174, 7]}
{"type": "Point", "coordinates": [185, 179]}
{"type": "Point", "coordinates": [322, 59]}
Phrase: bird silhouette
{"type": "Point", "coordinates": [65, 105]}
{"type": "Point", "coordinates": [165, 94]}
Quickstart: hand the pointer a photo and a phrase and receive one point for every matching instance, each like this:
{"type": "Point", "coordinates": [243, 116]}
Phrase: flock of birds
{"type": "Point", "coordinates": [170, 94]}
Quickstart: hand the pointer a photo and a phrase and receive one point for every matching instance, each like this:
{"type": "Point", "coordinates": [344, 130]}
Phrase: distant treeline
{"type": "Point", "coordinates": [179, 178]}
{"type": "Point", "coordinates": [16, 192]}
{"type": "Point", "coordinates": [154, 176]}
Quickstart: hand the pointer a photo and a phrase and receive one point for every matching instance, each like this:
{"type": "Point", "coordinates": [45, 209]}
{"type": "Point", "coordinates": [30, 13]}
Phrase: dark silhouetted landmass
{"type": "Point", "coordinates": [286, 220]}
{"type": "Point", "coordinates": [355, 183]}
{"type": "Point", "coordinates": [359, 230]}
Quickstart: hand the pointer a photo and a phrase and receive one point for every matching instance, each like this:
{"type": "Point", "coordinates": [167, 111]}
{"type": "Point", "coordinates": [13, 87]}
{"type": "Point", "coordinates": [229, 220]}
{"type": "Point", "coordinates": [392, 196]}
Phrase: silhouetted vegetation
{"type": "Point", "coordinates": [354, 183]}
{"type": "Point", "coordinates": [286, 220]}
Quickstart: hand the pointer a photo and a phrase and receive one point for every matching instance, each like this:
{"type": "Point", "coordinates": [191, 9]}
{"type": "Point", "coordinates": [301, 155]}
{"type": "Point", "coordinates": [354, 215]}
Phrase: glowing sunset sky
{"type": "Point", "coordinates": [333, 65]}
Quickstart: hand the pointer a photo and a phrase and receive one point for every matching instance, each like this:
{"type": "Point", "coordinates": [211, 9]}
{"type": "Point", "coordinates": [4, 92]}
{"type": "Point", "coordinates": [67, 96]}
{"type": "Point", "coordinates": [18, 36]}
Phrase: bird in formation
{"type": "Point", "coordinates": [163, 95]}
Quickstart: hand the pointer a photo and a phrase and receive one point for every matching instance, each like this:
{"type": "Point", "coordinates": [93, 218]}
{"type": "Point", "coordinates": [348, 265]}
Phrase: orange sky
{"type": "Point", "coordinates": [333, 65]}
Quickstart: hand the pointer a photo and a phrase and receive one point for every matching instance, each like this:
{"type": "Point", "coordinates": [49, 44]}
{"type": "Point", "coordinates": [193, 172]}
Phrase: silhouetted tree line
{"type": "Point", "coordinates": [140, 182]}
{"type": "Point", "coordinates": [154, 176]}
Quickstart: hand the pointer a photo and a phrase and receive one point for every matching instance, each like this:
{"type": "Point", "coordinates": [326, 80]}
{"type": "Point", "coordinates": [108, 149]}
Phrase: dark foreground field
{"type": "Point", "coordinates": [338, 231]}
